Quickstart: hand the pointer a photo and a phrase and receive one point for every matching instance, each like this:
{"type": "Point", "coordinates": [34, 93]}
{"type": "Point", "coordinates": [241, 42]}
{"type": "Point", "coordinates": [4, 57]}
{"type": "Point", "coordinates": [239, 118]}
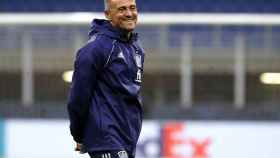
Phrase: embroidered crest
{"type": "Point", "coordinates": [122, 154]}
{"type": "Point", "coordinates": [138, 76]}
{"type": "Point", "coordinates": [138, 60]}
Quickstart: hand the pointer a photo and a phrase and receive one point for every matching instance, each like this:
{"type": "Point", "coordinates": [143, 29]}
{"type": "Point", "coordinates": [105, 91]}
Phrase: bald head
{"type": "Point", "coordinates": [107, 4]}
{"type": "Point", "coordinates": [121, 13]}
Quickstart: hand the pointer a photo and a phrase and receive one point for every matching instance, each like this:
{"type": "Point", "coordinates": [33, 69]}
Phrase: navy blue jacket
{"type": "Point", "coordinates": [104, 103]}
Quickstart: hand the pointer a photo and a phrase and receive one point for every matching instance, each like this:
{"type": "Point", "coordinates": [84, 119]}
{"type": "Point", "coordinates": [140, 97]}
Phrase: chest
{"type": "Point", "coordinates": [126, 61]}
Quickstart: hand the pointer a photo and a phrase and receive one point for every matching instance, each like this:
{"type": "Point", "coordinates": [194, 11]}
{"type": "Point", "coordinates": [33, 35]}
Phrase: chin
{"type": "Point", "coordinates": [129, 29]}
{"type": "Point", "coordinates": [129, 26]}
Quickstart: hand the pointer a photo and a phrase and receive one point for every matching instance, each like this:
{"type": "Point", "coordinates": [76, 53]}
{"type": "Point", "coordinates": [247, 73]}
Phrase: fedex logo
{"type": "Point", "coordinates": [171, 140]}
{"type": "Point", "coordinates": [174, 145]}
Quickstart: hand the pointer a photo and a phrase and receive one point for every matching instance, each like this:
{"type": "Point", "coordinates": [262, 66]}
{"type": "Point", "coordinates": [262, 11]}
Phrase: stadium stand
{"type": "Point", "coordinates": [54, 40]}
{"type": "Point", "coordinates": [213, 6]}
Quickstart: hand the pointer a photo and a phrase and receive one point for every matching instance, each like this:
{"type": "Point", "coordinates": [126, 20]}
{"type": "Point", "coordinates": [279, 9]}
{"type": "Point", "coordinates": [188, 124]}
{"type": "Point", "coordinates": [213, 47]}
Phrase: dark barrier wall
{"type": "Point", "coordinates": [256, 6]}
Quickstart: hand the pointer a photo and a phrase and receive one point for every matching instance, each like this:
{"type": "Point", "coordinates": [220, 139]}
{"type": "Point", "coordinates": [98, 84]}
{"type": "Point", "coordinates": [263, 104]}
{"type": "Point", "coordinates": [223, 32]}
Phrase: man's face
{"type": "Point", "coordinates": [122, 14]}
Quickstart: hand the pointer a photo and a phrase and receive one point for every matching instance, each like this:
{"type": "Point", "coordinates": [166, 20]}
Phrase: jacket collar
{"type": "Point", "coordinates": [105, 27]}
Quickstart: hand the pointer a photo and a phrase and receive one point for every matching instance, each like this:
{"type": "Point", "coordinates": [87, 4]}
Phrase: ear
{"type": "Point", "coordinates": [107, 14]}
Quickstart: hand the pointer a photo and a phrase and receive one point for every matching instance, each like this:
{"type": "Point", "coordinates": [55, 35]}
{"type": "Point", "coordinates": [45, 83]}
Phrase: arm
{"type": "Point", "coordinates": [87, 64]}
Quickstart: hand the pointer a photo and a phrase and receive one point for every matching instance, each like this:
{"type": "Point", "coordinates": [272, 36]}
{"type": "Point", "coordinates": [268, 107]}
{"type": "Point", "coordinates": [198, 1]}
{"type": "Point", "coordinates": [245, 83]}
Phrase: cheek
{"type": "Point", "coordinates": [135, 14]}
{"type": "Point", "coordinates": [116, 20]}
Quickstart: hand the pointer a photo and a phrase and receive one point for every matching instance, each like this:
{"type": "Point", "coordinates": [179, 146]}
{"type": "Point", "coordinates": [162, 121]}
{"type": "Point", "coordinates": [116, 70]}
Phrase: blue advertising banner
{"type": "Point", "coordinates": [1, 138]}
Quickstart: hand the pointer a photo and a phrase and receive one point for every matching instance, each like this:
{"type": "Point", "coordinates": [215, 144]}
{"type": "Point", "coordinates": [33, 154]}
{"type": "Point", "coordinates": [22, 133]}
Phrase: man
{"type": "Point", "coordinates": [104, 105]}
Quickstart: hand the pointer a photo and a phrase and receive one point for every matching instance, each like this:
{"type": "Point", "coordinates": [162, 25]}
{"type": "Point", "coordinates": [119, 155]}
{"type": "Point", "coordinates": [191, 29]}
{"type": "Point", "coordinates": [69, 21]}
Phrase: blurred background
{"type": "Point", "coordinates": [217, 85]}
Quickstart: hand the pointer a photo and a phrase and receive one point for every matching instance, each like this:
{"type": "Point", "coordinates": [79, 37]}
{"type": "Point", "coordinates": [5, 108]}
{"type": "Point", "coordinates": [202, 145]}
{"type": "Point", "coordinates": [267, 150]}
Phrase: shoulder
{"type": "Point", "coordinates": [98, 46]}
{"type": "Point", "coordinates": [96, 43]}
{"type": "Point", "coordinates": [100, 42]}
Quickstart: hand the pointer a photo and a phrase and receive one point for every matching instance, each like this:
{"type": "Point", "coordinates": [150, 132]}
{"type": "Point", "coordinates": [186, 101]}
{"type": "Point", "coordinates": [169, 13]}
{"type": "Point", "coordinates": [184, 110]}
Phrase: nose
{"type": "Point", "coordinates": [128, 13]}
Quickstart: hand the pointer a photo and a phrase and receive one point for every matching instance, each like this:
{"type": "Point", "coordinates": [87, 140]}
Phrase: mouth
{"type": "Point", "coordinates": [129, 20]}
{"type": "Point", "coordinates": [129, 23]}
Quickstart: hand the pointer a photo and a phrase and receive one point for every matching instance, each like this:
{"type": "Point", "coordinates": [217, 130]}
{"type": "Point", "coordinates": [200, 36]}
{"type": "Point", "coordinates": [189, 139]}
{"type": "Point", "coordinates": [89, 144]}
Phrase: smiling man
{"type": "Point", "coordinates": [122, 14]}
{"type": "Point", "coordinates": [104, 104]}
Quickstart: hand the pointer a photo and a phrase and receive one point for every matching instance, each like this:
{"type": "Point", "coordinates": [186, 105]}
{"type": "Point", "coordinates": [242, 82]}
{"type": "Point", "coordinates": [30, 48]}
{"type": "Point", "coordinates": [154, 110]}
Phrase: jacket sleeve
{"type": "Point", "coordinates": [87, 64]}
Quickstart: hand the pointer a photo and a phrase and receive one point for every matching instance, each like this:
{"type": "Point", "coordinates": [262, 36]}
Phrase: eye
{"type": "Point", "coordinates": [121, 9]}
{"type": "Point", "coordinates": [133, 7]}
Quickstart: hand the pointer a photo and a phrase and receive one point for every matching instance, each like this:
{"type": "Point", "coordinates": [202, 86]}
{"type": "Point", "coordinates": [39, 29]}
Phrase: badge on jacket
{"type": "Point", "coordinates": [138, 60]}
{"type": "Point", "coordinates": [122, 154]}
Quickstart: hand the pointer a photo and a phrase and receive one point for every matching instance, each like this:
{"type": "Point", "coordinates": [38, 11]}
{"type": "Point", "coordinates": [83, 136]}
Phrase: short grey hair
{"type": "Point", "coordinates": [106, 5]}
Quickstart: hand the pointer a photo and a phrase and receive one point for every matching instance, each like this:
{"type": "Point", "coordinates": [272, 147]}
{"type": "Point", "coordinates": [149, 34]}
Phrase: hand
{"type": "Point", "coordinates": [78, 147]}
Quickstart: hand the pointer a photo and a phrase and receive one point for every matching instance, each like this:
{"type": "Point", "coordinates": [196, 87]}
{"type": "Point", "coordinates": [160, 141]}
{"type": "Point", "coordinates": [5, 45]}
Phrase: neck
{"type": "Point", "coordinates": [128, 35]}
{"type": "Point", "coordinates": [124, 33]}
